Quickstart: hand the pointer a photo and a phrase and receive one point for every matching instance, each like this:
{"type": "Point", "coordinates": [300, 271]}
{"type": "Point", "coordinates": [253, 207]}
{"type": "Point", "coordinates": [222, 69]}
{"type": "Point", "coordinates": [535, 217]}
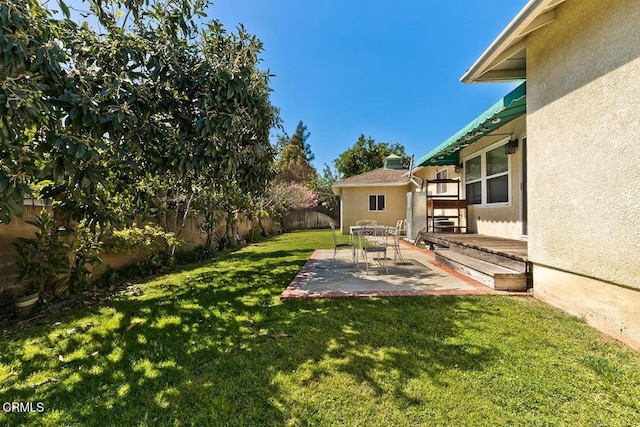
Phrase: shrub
{"type": "Point", "coordinates": [148, 240]}
{"type": "Point", "coordinates": [40, 259]}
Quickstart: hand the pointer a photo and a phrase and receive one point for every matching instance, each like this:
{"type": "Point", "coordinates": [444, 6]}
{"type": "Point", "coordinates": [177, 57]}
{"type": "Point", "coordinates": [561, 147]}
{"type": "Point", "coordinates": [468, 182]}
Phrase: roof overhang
{"type": "Point", "coordinates": [505, 59]}
{"type": "Point", "coordinates": [509, 108]}
{"type": "Point", "coordinates": [337, 188]}
{"type": "Point", "coordinates": [372, 184]}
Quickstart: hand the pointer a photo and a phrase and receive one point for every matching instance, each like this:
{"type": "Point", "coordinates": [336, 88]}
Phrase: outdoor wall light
{"type": "Point", "coordinates": [458, 168]}
{"type": "Point", "coordinates": [511, 146]}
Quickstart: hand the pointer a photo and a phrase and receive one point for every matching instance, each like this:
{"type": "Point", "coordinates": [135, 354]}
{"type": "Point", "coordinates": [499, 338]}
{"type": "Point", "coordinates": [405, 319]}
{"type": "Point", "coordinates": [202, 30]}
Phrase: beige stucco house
{"type": "Point", "coordinates": [489, 156]}
{"type": "Point", "coordinates": [581, 62]}
{"type": "Point", "coordinates": [380, 195]}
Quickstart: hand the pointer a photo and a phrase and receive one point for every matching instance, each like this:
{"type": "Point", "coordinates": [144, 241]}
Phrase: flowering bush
{"type": "Point", "coordinates": [284, 197]}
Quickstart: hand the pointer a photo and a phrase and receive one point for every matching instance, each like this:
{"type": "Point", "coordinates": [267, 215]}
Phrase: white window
{"type": "Point", "coordinates": [487, 176]}
{"type": "Point", "coordinates": [441, 188]}
{"type": "Point", "coordinates": [376, 202]}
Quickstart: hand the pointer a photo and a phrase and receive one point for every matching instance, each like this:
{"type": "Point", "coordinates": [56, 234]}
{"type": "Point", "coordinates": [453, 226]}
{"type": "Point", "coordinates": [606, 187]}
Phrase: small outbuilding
{"type": "Point", "coordinates": [380, 194]}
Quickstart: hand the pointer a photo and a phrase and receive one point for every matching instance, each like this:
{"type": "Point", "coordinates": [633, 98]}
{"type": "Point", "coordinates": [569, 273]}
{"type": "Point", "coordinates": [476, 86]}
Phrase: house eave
{"type": "Point", "coordinates": [505, 59]}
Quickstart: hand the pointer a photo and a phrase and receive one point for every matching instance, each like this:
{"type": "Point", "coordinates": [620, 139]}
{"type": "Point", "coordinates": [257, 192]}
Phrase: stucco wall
{"type": "Point", "coordinates": [611, 309]}
{"type": "Point", "coordinates": [354, 205]}
{"type": "Point", "coordinates": [419, 214]}
{"type": "Point", "coordinates": [493, 220]}
{"type": "Point", "coordinates": [18, 227]}
{"type": "Point", "coordinates": [583, 100]}
{"type": "Point", "coordinates": [430, 172]}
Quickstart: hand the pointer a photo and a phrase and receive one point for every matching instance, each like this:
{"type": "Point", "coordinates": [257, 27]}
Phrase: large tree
{"type": "Point", "coordinates": [366, 155]}
{"type": "Point", "coordinates": [293, 163]}
{"type": "Point", "coordinates": [322, 187]}
{"type": "Point", "coordinates": [149, 105]}
{"type": "Point", "coordinates": [31, 77]}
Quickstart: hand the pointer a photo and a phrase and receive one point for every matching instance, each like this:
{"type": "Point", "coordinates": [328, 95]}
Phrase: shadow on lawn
{"type": "Point", "coordinates": [202, 352]}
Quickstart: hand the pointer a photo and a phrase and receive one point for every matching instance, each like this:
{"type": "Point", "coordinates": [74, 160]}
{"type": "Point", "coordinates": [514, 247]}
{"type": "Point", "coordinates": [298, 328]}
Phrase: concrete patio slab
{"type": "Point", "coordinates": [419, 275]}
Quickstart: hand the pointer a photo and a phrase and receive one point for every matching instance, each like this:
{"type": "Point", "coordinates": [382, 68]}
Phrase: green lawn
{"type": "Point", "coordinates": [196, 348]}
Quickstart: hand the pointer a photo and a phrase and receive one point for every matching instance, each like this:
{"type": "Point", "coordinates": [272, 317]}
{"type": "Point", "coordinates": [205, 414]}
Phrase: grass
{"type": "Point", "coordinates": [196, 348]}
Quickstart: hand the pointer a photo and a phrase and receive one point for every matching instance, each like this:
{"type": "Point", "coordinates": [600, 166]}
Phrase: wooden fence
{"type": "Point", "coordinates": [309, 219]}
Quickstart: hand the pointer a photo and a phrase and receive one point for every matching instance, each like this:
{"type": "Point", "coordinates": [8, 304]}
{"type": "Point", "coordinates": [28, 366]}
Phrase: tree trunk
{"type": "Point", "coordinates": [231, 235]}
{"type": "Point", "coordinates": [264, 230]}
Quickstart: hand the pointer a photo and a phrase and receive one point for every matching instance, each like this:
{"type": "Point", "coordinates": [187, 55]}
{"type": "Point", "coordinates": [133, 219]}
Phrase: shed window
{"type": "Point", "coordinates": [376, 202]}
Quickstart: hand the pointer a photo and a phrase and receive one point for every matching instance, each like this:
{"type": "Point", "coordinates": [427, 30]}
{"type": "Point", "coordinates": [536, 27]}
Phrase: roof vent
{"type": "Point", "coordinates": [393, 162]}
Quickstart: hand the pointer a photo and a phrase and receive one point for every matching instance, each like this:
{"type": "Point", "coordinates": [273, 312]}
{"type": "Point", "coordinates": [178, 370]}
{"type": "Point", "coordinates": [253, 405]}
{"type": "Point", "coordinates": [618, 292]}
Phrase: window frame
{"type": "Point", "coordinates": [484, 178]}
{"type": "Point", "coordinates": [377, 200]}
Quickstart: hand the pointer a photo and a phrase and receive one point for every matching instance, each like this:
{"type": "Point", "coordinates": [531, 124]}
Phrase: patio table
{"type": "Point", "coordinates": [383, 231]}
{"type": "Point", "coordinates": [378, 229]}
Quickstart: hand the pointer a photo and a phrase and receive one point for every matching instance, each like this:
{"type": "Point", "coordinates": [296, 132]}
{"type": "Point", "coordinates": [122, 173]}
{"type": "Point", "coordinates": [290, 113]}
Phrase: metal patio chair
{"type": "Point", "coordinates": [340, 245]}
{"type": "Point", "coordinates": [365, 248]}
{"type": "Point", "coordinates": [394, 242]}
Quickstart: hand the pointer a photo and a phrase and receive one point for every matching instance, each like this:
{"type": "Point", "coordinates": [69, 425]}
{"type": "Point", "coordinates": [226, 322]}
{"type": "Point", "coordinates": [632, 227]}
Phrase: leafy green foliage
{"type": "Point", "coordinates": [140, 240]}
{"type": "Point", "coordinates": [294, 182]}
{"type": "Point", "coordinates": [56, 258]}
{"type": "Point", "coordinates": [153, 246]}
{"type": "Point", "coordinates": [215, 204]}
{"type": "Point", "coordinates": [102, 116]}
{"type": "Point", "coordinates": [299, 140]}
{"type": "Point", "coordinates": [293, 163]}
{"type": "Point", "coordinates": [323, 188]}
{"type": "Point", "coordinates": [366, 155]}
{"type": "Point", "coordinates": [209, 207]}
{"type": "Point", "coordinates": [121, 123]}
{"type": "Point", "coordinates": [40, 259]}
{"type": "Point", "coordinates": [85, 249]}
{"type": "Point", "coordinates": [31, 78]}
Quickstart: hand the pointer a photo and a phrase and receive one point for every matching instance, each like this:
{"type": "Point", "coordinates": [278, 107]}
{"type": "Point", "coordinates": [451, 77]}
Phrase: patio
{"type": "Point", "coordinates": [419, 275]}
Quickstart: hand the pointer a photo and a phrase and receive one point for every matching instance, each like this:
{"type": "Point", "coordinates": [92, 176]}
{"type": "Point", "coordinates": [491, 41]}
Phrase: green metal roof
{"type": "Point", "coordinates": [510, 107]}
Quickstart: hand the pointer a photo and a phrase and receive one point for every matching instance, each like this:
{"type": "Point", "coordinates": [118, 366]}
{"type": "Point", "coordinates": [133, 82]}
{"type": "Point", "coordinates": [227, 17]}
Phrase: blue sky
{"type": "Point", "coordinates": [388, 69]}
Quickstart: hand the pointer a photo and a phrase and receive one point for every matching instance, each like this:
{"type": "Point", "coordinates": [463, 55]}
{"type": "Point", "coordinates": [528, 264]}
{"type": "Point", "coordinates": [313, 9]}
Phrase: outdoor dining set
{"type": "Point", "coordinates": [370, 241]}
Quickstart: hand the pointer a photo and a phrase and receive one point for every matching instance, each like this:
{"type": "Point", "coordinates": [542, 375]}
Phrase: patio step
{"type": "Point", "coordinates": [492, 275]}
{"type": "Point", "coordinates": [490, 257]}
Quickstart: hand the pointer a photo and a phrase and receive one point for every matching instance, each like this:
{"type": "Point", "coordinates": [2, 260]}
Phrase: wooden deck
{"type": "Point", "coordinates": [514, 249]}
